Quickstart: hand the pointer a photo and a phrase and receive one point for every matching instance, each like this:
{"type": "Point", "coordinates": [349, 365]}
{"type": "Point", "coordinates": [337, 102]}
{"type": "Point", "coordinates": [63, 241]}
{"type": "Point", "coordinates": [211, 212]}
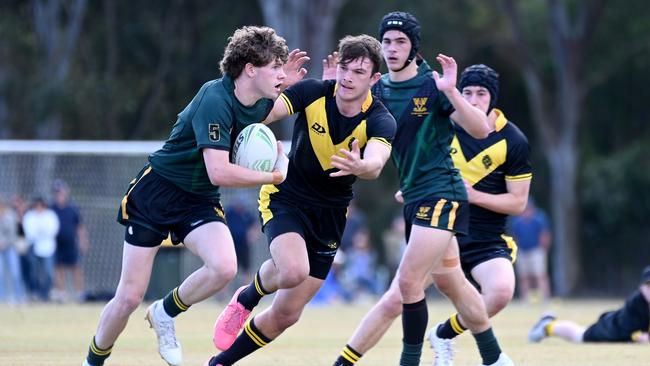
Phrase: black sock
{"type": "Point", "coordinates": [173, 304]}
{"type": "Point", "coordinates": [348, 357]}
{"type": "Point", "coordinates": [96, 355]}
{"type": "Point", "coordinates": [414, 325]}
{"type": "Point", "coordinates": [252, 294]}
{"type": "Point", "coordinates": [488, 346]}
{"type": "Point", "coordinates": [451, 328]}
{"type": "Point", "coordinates": [249, 341]}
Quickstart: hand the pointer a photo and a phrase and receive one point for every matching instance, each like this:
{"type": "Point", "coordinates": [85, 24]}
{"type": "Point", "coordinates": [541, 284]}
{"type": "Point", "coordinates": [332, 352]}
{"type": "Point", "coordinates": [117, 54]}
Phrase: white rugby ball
{"type": "Point", "coordinates": [255, 148]}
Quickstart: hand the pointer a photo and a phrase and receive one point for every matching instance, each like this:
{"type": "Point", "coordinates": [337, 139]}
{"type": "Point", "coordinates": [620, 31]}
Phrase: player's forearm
{"type": "Point", "coordinates": [505, 203]}
{"type": "Point", "coordinates": [470, 118]}
{"type": "Point", "coordinates": [372, 168]}
{"type": "Point", "coordinates": [234, 176]}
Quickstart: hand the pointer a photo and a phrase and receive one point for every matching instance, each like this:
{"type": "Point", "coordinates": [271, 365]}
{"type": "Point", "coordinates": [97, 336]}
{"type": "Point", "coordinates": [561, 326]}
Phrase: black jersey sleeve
{"type": "Point", "coordinates": [517, 166]}
{"type": "Point", "coordinates": [298, 96]}
{"type": "Point", "coordinates": [381, 125]}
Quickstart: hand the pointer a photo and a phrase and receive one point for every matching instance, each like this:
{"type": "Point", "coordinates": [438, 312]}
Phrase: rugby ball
{"type": "Point", "coordinates": [255, 148]}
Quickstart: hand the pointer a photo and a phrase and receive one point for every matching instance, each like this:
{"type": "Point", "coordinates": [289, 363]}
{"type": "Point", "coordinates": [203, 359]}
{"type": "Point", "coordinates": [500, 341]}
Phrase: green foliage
{"type": "Point", "coordinates": [615, 201]}
{"type": "Point", "coordinates": [164, 51]}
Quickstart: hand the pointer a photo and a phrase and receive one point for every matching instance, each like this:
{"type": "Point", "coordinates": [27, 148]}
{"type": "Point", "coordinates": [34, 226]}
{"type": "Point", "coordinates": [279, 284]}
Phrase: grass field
{"type": "Point", "coordinates": [59, 335]}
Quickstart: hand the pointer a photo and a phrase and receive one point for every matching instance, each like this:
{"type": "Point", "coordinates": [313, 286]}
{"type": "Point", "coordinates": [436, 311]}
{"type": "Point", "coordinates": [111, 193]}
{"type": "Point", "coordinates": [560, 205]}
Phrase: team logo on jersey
{"type": "Point", "coordinates": [350, 143]}
{"type": "Point", "coordinates": [420, 109]}
{"type": "Point", "coordinates": [219, 212]}
{"type": "Point", "coordinates": [487, 161]}
{"type": "Point", "coordinates": [333, 245]}
{"type": "Point", "coordinates": [213, 132]}
{"type": "Point", "coordinates": [423, 212]}
{"type": "Point", "coordinates": [318, 128]}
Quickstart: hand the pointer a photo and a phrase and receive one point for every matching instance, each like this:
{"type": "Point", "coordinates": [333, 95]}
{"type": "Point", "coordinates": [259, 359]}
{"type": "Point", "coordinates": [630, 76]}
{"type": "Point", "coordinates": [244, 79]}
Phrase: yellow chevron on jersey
{"type": "Point", "coordinates": [320, 138]}
{"type": "Point", "coordinates": [481, 165]}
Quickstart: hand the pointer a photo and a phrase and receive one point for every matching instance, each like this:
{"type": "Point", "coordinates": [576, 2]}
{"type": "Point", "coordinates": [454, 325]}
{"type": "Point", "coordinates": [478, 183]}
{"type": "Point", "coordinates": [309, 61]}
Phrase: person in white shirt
{"type": "Point", "coordinates": [41, 226]}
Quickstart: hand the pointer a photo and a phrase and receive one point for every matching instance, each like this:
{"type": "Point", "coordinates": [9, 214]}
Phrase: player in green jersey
{"type": "Point", "coordinates": [342, 132]}
{"type": "Point", "coordinates": [177, 193]}
{"type": "Point", "coordinates": [435, 200]}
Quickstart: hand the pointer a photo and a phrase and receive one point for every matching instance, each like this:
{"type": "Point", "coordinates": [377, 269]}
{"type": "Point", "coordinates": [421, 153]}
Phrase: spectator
{"type": "Point", "coordinates": [356, 220]}
{"type": "Point", "coordinates": [9, 257]}
{"type": "Point", "coordinates": [361, 266]}
{"type": "Point", "coordinates": [244, 229]}
{"type": "Point", "coordinates": [395, 242]}
{"type": "Point", "coordinates": [71, 242]}
{"type": "Point", "coordinates": [22, 247]}
{"type": "Point", "coordinates": [41, 227]}
{"type": "Point", "coordinates": [532, 234]}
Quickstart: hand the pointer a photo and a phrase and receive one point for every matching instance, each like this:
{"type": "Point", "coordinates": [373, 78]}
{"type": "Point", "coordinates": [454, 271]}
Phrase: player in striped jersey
{"type": "Point", "coordinates": [497, 175]}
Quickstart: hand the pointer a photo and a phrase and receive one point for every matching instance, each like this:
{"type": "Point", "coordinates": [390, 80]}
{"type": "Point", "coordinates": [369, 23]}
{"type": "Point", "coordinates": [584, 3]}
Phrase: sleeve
{"type": "Point", "coordinates": [212, 122]}
{"type": "Point", "coordinates": [517, 166]}
{"type": "Point", "coordinates": [443, 104]}
{"type": "Point", "coordinates": [300, 95]}
{"type": "Point", "coordinates": [382, 126]}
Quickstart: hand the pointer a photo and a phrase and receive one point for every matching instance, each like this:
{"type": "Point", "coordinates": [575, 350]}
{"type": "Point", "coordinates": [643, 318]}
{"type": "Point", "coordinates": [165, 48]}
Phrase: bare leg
{"type": "Point", "coordinates": [376, 322]}
{"type": "Point", "coordinates": [287, 307]}
{"type": "Point", "coordinates": [497, 280]}
{"type": "Point", "coordinates": [212, 243]}
{"type": "Point", "coordinates": [136, 271]}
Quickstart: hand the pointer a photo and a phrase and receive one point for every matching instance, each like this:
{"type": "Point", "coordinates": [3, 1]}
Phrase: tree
{"type": "Point", "coordinates": [57, 28]}
{"type": "Point", "coordinates": [557, 110]}
{"type": "Point", "coordinates": [308, 25]}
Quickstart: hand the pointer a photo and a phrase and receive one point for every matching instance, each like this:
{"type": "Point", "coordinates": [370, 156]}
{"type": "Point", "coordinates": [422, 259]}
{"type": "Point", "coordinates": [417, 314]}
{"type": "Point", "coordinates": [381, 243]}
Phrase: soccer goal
{"type": "Point", "coordinates": [98, 173]}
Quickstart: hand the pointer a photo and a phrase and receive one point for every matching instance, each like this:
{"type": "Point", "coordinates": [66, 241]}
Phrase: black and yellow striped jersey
{"type": "Point", "coordinates": [319, 132]}
{"type": "Point", "coordinates": [488, 164]}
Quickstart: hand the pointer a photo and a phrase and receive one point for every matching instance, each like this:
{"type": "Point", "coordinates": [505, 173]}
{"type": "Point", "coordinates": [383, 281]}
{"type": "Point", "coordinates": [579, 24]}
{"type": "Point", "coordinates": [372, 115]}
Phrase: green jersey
{"type": "Point", "coordinates": [212, 120]}
{"type": "Point", "coordinates": [421, 148]}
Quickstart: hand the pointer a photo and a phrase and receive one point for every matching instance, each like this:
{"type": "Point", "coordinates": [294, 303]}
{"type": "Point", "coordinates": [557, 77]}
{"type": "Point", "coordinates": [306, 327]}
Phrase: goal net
{"type": "Point", "coordinates": [98, 173]}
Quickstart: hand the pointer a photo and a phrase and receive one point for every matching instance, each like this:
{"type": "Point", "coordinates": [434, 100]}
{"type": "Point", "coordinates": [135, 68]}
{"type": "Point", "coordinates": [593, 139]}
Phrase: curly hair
{"type": "Point", "coordinates": [361, 46]}
{"type": "Point", "coordinates": [257, 45]}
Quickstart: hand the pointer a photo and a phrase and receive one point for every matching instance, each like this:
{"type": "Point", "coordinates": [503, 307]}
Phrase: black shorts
{"type": "Point", "coordinates": [321, 228]}
{"type": "Point", "coordinates": [438, 213]}
{"type": "Point", "coordinates": [474, 252]}
{"type": "Point", "coordinates": [605, 330]}
{"type": "Point", "coordinates": [155, 208]}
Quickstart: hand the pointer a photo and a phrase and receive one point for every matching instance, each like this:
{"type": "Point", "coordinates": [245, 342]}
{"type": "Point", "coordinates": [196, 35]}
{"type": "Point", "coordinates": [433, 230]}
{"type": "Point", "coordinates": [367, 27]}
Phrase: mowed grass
{"type": "Point", "coordinates": [60, 334]}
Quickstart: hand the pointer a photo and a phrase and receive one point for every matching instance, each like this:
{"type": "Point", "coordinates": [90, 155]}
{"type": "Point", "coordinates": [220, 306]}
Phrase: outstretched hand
{"type": "Point", "coordinates": [293, 67]}
{"type": "Point", "coordinates": [329, 66]}
{"type": "Point", "coordinates": [350, 163]}
{"type": "Point", "coordinates": [447, 81]}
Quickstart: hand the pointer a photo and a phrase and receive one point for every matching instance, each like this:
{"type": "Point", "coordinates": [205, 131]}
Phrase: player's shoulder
{"type": "Point", "coordinates": [513, 134]}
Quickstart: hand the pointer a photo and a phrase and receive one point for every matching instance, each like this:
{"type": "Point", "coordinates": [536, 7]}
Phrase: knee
{"type": "Point", "coordinates": [497, 299]}
{"type": "Point", "coordinates": [290, 277]}
{"type": "Point", "coordinates": [127, 303]}
{"type": "Point", "coordinates": [221, 273]}
{"type": "Point", "coordinates": [444, 284]}
{"type": "Point", "coordinates": [408, 283]}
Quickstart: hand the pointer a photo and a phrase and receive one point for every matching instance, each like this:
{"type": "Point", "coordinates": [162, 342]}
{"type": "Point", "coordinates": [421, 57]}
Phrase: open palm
{"type": "Point", "coordinates": [447, 81]}
{"type": "Point", "coordinates": [293, 68]}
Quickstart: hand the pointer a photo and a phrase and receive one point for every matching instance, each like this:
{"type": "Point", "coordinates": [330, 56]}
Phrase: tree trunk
{"type": "Point", "coordinates": [167, 42]}
{"type": "Point", "coordinates": [308, 25]}
{"type": "Point", "coordinates": [563, 164]}
{"type": "Point", "coordinates": [558, 130]}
